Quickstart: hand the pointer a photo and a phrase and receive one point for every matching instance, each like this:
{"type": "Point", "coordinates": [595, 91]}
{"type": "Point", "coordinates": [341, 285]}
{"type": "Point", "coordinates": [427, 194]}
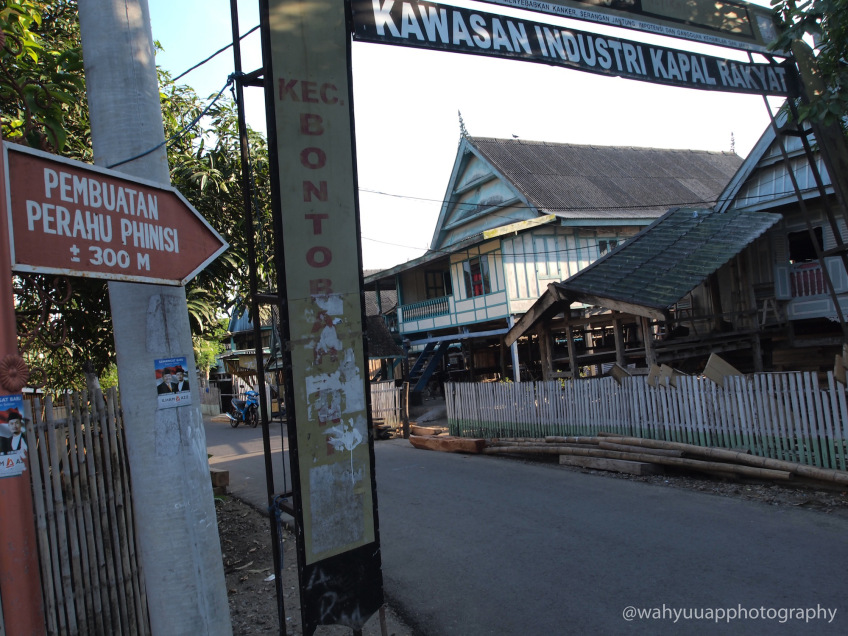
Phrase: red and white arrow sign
{"type": "Point", "coordinates": [73, 218]}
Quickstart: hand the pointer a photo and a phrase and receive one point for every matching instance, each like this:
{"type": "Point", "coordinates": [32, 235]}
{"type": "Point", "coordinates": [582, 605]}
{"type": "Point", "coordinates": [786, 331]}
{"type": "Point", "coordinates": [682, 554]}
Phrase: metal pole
{"type": "Point", "coordinates": [257, 323]}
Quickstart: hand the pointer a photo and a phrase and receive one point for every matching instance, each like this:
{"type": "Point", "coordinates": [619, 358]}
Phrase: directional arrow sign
{"type": "Point", "coordinates": [73, 218]}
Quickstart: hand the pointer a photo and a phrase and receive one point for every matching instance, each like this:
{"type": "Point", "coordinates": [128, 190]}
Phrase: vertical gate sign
{"type": "Point", "coordinates": [333, 457]}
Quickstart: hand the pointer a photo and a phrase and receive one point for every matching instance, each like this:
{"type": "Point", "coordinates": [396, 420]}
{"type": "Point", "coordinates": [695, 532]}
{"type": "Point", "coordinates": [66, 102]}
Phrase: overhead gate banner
{"type": "Point", "coordinates": [332, 453]}
{"type": "Point", "coordinates": [460, 30]}
{"type": "Point", "coordinates": [728, 23]}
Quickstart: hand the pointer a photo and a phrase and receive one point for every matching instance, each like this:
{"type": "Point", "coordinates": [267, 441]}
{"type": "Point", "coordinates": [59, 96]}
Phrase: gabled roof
{"type": "Point", "coordinates": [760, 185]}
{"type": "Point", "coordinates": [589, 182]}
{"type": "Point", "coordinates": [649, 273]}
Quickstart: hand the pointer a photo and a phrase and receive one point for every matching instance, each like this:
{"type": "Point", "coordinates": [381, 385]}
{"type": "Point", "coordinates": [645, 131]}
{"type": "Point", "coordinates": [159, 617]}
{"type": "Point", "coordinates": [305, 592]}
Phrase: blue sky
{"type": "Point", "coordinates": [406, 103]}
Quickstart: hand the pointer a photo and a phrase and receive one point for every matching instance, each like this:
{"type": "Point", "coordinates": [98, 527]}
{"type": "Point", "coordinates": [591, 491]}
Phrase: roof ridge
{"type": "Point", "coordinates": [519, 141]}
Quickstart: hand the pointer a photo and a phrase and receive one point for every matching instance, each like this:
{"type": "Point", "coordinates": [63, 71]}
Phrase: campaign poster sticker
{"type": "Point", "coordinates": [172, 387]}
{"type": "Point", "coordinates": [12, 435]}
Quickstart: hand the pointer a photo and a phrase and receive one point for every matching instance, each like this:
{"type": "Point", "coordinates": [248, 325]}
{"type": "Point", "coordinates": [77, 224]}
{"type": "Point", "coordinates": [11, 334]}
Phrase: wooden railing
{"type": "Point", "coordinates": [806, 279]}
{"type": "Point", "coordinates": [426, 309]}
{"type": "Point", "coordinates": [778, 415]}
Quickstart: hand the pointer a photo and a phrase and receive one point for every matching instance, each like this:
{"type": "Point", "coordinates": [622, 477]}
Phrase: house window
{"type": "Point", "coordinates": [606, 245]}
{"type": "Point", "coordinates": [476, 272]}
{"type": "Point", "coordinates": [438, 284]}
{"type": "Point", "coordinates": [801, 248]}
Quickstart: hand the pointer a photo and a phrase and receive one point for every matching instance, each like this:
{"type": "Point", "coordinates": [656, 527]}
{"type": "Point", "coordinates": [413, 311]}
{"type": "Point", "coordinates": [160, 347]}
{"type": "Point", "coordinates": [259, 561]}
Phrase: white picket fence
{"type": "Point", "coordinates": [386, 403]}
{"type": "Point", "coordinates": [779, 415]}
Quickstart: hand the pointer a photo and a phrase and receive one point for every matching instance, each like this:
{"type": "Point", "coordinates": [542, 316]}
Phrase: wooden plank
{"type": "Point", "coordinates": [654, 375]}
{"type": "Point", "coordinates": [804, 456]}
{"type": "Point", "coordinates": [717, 369]}
{"type": "Point", "coordinates": [766, 423]}
{"type": "Point", "coordinates": [612, 465]}
{"type": "Point", "coordinates": [837, 420]}
{"type": "Point", "coordinates": [839, 370]}
{"type": "Point", "coordinates": [815, 418]}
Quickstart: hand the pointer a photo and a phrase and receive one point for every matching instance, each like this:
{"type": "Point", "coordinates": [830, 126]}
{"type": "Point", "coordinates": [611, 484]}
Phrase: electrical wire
{"type": "Point", "coordinates": [218, 52]}
{"type": "Point", "coordinates": [180, 132]}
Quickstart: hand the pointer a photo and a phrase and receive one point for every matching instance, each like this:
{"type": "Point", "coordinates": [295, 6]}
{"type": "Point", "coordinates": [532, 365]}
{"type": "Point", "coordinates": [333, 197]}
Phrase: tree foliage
{"type": "Point", "coordinates": [43, 105]}
{"type": "Point", "coordinates": [826, 21]}
{"type": "Point", "coordinates": [41, 77]}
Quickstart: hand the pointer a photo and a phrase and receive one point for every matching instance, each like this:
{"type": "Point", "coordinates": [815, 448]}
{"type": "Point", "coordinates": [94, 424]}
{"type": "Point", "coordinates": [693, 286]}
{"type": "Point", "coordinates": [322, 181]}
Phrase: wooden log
{"type": "Point", "coordinates": [812, 472]}
{"type": "Point", "coordinates": [680, 462]}
{"type": "Point", "coordinates": [414, 429]}
{"type": "Point", "coordinates": [534, 444]}
{"type": "Point", "coordinates": [447, 443]}
{"type": "Point", "coordinates": [624, 448]}
{"type": "Point", "coordinates": [576, 439]}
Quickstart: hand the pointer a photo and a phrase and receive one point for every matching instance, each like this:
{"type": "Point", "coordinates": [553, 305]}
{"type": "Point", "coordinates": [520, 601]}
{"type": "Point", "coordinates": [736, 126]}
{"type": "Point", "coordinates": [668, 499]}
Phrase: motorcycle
{"type": "Point", "coordinates": [246, 411]}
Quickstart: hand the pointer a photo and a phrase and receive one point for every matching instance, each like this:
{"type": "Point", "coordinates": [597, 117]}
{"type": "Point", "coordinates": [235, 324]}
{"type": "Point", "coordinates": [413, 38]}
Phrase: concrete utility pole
{"type": "Point", "coordinates": [172, 493]}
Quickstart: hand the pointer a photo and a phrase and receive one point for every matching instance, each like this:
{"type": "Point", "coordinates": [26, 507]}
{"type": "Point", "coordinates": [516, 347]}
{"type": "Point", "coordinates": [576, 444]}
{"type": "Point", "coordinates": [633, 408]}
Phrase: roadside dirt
{"type": "Point", "coordinates": [829, 501]}
{"type": "Point", "coordinates": [245, 535]}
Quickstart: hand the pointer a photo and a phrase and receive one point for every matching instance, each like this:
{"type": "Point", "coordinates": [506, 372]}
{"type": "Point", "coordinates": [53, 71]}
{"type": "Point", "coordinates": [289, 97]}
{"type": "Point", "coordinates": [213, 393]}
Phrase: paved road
{"type": "Point", "coordinates": [241, 451]}
{"type": "Point", "coordinates": [477, 545]}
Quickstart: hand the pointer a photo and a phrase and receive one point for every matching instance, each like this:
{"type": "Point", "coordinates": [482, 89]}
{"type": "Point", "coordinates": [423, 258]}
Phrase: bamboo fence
{"type": "Point", "coordinates": [91, 574]}
{"type": "Point", "coordinates": [386, 403]}
{"type": "Point", "coordinates": [785, 416]}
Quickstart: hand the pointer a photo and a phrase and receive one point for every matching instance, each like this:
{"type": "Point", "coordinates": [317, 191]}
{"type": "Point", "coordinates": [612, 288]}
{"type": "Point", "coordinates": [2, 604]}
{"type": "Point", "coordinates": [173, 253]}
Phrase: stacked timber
{"type": "Point", "coordinates": [637, 450]}
{"type": "Point", "coordinates": [641, 456]}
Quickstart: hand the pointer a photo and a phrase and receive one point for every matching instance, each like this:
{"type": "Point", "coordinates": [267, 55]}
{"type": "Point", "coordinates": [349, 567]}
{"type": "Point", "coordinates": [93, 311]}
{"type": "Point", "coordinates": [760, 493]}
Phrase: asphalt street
{"type": "Point", "coordinates": [241, 451]}
{"type": "Point", "coordinates": [476, 545]}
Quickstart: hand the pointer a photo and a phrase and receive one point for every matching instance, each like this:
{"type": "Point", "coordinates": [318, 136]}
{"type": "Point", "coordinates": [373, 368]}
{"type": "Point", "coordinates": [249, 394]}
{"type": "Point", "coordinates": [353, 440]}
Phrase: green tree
{"type": "Point", "coordinates": [826, 21]}
{"type": "Point", "coordinates": [206, 168]}
{"type": "Point", "coordinates": [65, 322]}
{"type": "Point", "coordinates": [42, 77]}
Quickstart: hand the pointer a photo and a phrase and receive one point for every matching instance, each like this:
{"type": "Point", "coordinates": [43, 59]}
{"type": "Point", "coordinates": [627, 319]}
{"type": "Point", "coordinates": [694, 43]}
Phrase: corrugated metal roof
{"type": "Point", "coordinates": [579, 181]}
{"type": "Point", "coordinates": [669, 258]}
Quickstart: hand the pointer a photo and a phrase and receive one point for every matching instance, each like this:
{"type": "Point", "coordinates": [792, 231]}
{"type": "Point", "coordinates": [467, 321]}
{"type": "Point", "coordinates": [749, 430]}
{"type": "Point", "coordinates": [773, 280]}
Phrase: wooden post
{"type": "Point", "coordinates": [544, 335]}
{"type": "Point", "coordinates": [715, 298]}
{"type": "Point", "coordinates": [404, 397]}
{"type": "Point", "coordinates": [20, 578]}
{"type": "Point", "coordinates": [747, 282]}
{"type": "Point", "coordinates": [572, 355]}
{"type": "Point", "coordinates": [619, 340]}
{"type": "Point", "coordinates": [648, 341]}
